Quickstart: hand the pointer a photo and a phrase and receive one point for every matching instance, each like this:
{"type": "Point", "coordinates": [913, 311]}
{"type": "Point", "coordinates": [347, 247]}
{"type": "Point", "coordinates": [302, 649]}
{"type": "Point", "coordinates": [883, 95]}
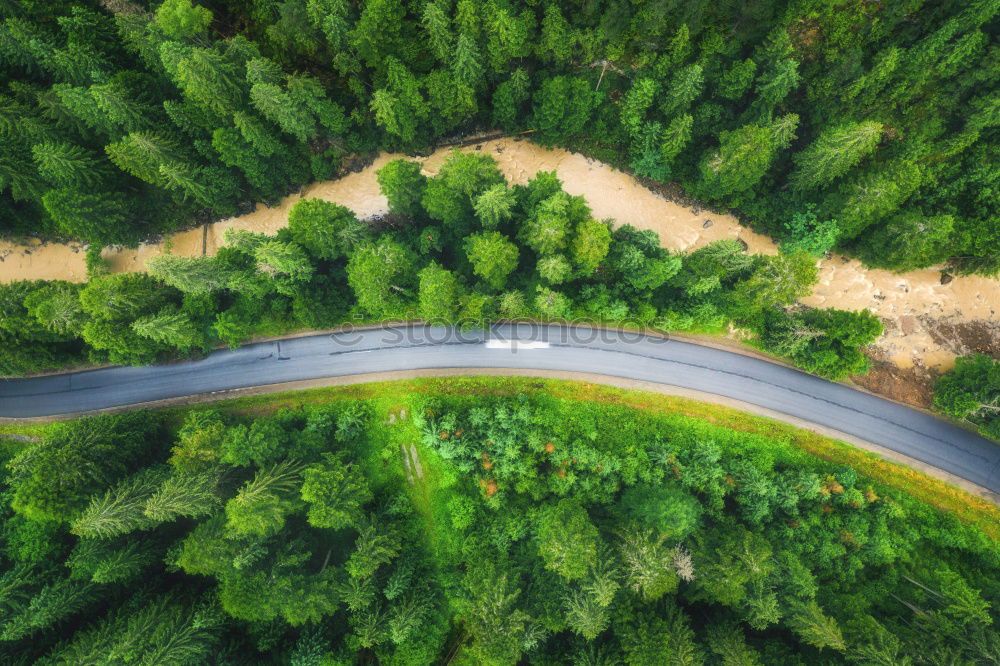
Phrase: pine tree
{"type": "Point", "coordinates": [435, 21]}
{"type": "Point", "coordinates": [556, 42]}
{"type": "Point", "coordinates": [57, 307]}
{"type": "Point", "coordinates": [468, 18]}
{"type": "Point", "coordinates": [908, 241]}
{"type": "Point", "coordinates": [875, 194]}
{"type": "Point", "coordinates": [278, 107]}
{"type": "Point", "coordinates": [466, 63]}
{"type": "Point", "coordinates": [400, 108]}
{"type": "Point", "coordinates": [256, 133]}
{"type": "Point", "coordinates": [744, 156]}
{"type": "Point", "coordinates": [683, 645]}
{"type": "Point", "coordinates": [101, 218]}
{"type": "Point", "coordinates": [678, 50]}
{"type": "Point", "coordinates": [120, 509]}
{"type": "Point", "coordinates": [18, 173]}
{"type": "Point", "coordinates": [507, 37]}
{"type": "Point", "coordinates": [402, 183]}
{"type": "Point", "coordinates": [775, 84]}
{"type": "Point", "coordinates": [335, 492]}
{"type": "Point", "coordinates": [584, 615]}
{"type": "Point", "coordinates": [562, 108]}
{"type": "Point", "coordinates": [408, 616]}
{"type": "Point", "coordinates": [188, 180]}
{"type": "Point", "coordinates": [188, 495]}
{"type": "Point", "coordinates": [637, 101]}
{"type": "Point", "coordinates": [645, 561]}
{"type": "Point", "coordinates": [170, 327]}
{"type": "Point", "coordinates": [439, 295]}
{"type": "Point", "coordinates": [285, 259]}
{"type": "Point", "coordinates": [729, 643]}
{"type": "Point", "coordinates": [685, 86]}
{"type": "Point", "coordinates": [309, 94]}
{"type": "Point", "coordinates": [330, 16]}
{"type": "Point", "coordinates": [737, 80]}
{"type": "Point", "coordinates": [142, 153]}
{"type": "Point", "coordinates": [122, 107]}
{"type": "Point", "coordinates": [495, 206]}
{"type": "Point", "coordinates": [377, 29]}
{"type": "Point", "coordinates": [567, 540]}
{"type": "Point", "coordinates": [815, 628]}
{"type": "Point", "coordinates": [493, 257]}
{"type": "Point", "coordinates": [833, 153]}
{"type": "Point", "coordinates": [778, 280]}
{"type": "Point", "coordinates": [375, 546]}
{"type": "Point", "coordinates": [381, 273]}
{"type": "Point", "coordinates": [866, 88]}
{"type": "Point", "coordinates": [192, 275]}
{"type": "Point", "coordinates": [235, 151]}
{"type": "Point", "coordinates": [261, 504]}
{"type": "Point", "coordinates": [675, 137]}
{"type": "Point", "coordinates": [244, 240]}
{"type": "Point", "coordinates": [67, 165]}
{"type": "Point", "coordinates": [496, 625]}
{"type": "Point", "coordinates": [52, 604]}
{"type": "Point", "coordinates": [327, 230]}
{"type": "Point", "coordinates": [179, 19]}
{"type": "Point", "coordinates": [102, 561]}
{"type": "Point", "coordinates": [261, 444]}
{"type": "Point", "coordinates": [208, 79]}
{"type": "Point", "coordinates": [509, 98]}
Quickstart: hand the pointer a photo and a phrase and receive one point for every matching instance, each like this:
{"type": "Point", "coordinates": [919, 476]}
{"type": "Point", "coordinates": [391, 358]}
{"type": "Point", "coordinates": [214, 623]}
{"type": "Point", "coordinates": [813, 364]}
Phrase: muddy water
{"type": "Point", "coordinates": [908, 300]}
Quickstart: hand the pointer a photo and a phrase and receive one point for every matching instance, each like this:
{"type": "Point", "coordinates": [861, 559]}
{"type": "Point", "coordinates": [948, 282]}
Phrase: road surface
{"type": "Point", "coordinates": [537, 347]}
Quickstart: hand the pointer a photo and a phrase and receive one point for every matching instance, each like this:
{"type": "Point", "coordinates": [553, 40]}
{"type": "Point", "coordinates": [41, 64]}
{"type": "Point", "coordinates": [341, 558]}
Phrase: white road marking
{"type": "Point", "coordinates": [516, 345]}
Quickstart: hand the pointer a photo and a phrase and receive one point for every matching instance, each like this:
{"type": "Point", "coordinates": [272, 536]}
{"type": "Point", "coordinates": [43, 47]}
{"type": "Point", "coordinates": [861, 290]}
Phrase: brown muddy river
{"type": "Point", "coordinates": [914, 303]}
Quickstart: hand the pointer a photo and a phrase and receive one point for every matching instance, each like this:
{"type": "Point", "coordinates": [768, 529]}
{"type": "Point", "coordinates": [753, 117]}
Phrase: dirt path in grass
{"type": "Point", "coordinates": [927, 323]}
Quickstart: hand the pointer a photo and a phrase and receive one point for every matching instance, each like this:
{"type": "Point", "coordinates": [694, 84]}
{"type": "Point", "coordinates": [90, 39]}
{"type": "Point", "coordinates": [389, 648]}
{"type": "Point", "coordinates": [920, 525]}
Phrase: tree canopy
{"type": "Point", "coordinates": [480, 525]}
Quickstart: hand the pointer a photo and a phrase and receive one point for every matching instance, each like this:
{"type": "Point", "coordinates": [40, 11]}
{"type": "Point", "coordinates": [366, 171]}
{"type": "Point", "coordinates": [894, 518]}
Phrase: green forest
{"type": "Point", "coordinates": [487, 521]}
{"type": "Point", "coordinates": [870, 127]}
{"type": "Point", "coordinates": [970, 393]}
{"type": "Point", "coordinates": [461, 248]}
{"type": "Point", "coordinates": [464, 527]}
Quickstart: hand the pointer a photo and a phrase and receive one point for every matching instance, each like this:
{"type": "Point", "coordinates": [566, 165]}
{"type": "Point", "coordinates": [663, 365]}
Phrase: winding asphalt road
{"type": "Point", "coordinates": [574, 349]}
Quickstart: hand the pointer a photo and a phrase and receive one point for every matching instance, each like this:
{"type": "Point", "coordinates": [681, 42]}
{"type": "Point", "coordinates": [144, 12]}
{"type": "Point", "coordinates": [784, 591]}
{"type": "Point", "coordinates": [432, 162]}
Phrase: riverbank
{"type": "Point", "coordinates": [928, 320]}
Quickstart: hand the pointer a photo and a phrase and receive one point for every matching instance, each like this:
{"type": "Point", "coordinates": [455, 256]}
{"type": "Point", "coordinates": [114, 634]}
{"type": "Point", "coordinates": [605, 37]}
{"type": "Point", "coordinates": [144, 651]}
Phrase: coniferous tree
{"type": "Point", "coordinates": [335, 493]}
{"type": "Point", "coordinates": [188, 495]}
{"type": "Point", "coordinates": [381, 273]}
{"type": "Point", "coordinates": [439, 293]}
{"type": "Point", "coordinates": [568, 540]}
{"type": "Point", "coordinates": [403, 185]}
{"type": "Point", "coordinates": [816, 628]}
{"type": "Point", "coordinates": [170, 327]}
{"type": "Point", "coordinates": [192, 275]}
{"type": "Point", "coordinates": [495, 205]}
{"type": "Point", "coordinates": [120, 510]}
{"type": "Point", "coordinates": [834, 152]}
{"type": "Point", "coordinates": [493, 257]}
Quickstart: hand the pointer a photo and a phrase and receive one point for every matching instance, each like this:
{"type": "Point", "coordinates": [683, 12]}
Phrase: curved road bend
{"type": "Point", "coordinates": [557, 348]}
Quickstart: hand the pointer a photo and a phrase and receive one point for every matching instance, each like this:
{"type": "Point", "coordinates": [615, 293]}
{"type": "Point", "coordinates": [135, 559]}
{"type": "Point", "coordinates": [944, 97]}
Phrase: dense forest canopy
{"type": "Point", "coordinates": [471, 530]}
{"type": "Point", "coordinates": [461, 248]}
{"type": "Point", "coordinates": [868, 126]}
